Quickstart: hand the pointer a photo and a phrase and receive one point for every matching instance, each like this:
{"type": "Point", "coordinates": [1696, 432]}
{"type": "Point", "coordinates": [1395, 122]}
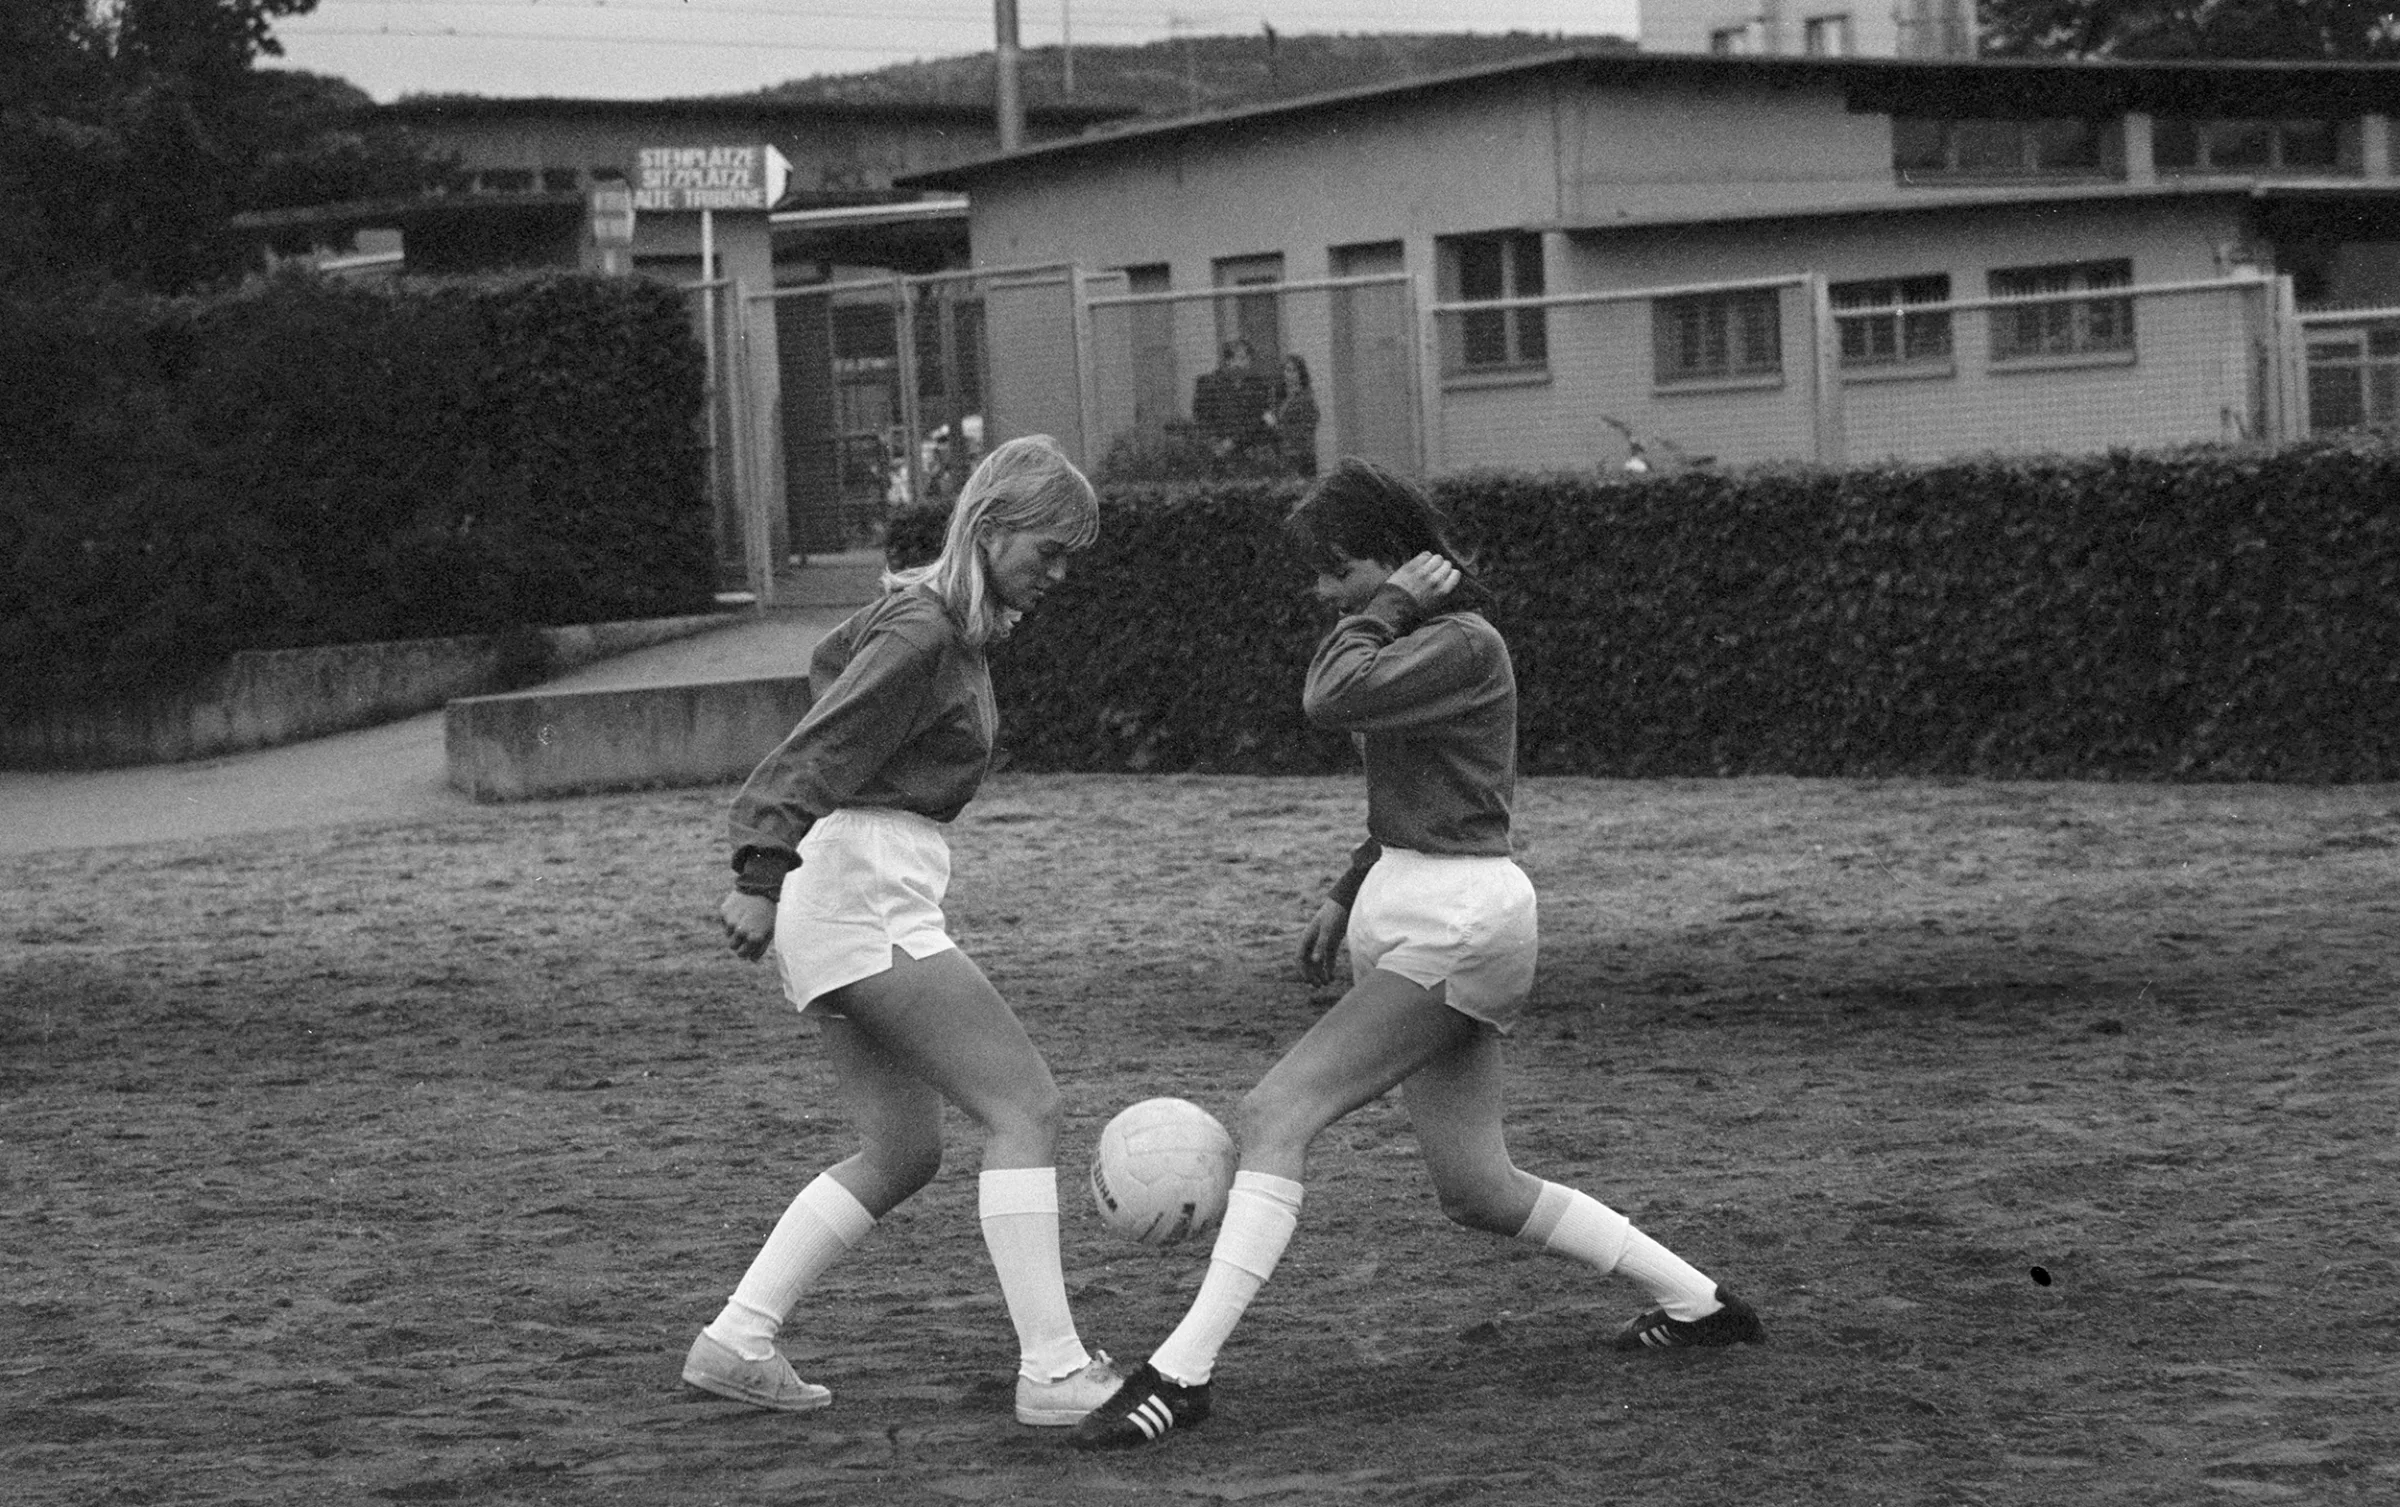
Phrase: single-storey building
{"type": "Point", "coordinates": [1591, 258]}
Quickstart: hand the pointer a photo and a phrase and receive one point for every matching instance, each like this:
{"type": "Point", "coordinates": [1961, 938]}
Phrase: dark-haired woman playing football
{"type": "Point", "coordinates": [1440, 926]}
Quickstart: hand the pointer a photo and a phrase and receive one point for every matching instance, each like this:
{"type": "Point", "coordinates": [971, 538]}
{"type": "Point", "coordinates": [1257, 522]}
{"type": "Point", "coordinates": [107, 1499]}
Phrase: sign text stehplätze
{"type": "Point", "coordinates": [686, 179]}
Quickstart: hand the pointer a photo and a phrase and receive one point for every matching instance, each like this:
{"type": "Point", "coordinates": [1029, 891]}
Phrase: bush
{"type": "Point", "coordinates": [2203, 614]}
{"type": "Point", "coordinates": [309, 463]}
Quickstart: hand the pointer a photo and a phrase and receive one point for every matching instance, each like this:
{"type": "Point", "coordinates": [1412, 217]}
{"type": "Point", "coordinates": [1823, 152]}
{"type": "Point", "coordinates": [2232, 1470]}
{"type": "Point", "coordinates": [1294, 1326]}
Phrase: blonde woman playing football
{"type": "Point", "coordinates": [840, 868]}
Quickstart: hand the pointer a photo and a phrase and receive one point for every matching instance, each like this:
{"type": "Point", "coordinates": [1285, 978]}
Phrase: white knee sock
{"type": "Point", "coordinates": [822, 1223]}
{"type": "Point", "coordinates": [1259, 1219]}
{"type": "Point", "coordinates": [1579, 1225]}
{"type": "Point", "coordinates": [1019, 1210]}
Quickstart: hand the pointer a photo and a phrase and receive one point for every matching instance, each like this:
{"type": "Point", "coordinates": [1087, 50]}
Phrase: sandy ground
{"type": "Point", "coordinates": [398, 1160]}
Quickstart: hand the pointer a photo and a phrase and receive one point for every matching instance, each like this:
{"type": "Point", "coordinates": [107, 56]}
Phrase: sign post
{"type": "Point", "coordinates": [687, 180]}
{"type": "Point", "coordinates": [749, 180]}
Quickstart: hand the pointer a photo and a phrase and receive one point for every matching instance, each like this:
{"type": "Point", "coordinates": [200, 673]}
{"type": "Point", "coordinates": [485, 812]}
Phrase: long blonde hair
{"type": "Point", "coordinates": [1023, 485]}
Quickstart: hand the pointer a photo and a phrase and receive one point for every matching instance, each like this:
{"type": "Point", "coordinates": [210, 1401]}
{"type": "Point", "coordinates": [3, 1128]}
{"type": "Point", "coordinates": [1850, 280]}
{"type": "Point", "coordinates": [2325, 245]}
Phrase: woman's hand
{"type": "Point", "coordinates": [1427, 579]}
{"type": "Point", "coordinates": [1321, 944]}
{"type": "Point", "coordinates": [749, 924]}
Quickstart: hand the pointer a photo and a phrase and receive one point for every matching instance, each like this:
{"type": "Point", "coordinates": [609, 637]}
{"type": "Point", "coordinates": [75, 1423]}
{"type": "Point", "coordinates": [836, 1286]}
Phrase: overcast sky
{"type": "Point", "coordinates": [648, 49]}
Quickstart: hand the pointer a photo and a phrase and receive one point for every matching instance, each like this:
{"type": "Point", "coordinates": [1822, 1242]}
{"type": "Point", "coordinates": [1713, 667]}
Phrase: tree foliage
{"type": "Point", "coordinates": [131, 134]}
{"type": "Point", "coordinates": [2230, 29]}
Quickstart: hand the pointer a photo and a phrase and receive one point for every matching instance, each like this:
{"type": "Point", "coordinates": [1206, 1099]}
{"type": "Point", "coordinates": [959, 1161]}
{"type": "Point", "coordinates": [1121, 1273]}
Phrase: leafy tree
{"type": "Point", "coordinates": [133, 131]}
{"type": "Point", "coordinates": [2264, 29]}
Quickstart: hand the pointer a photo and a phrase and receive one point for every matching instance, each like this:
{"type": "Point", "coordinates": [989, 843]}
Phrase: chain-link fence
{"type": "Point", "coordinates": [1796, 369]}
{"type": "Point", "coordinates": [2073, 371]}
{"type": "Point", "coordinates": [885, 392]}
{"type": "Point", "coordinates": [1268, 379]}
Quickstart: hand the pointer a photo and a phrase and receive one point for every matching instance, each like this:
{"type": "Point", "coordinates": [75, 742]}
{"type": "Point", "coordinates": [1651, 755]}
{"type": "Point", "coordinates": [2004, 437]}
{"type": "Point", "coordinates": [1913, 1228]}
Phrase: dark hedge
{"type": "Point", "coordinates": [2190, 615]}
{"type": "Point", "coordinates": [309, 463]}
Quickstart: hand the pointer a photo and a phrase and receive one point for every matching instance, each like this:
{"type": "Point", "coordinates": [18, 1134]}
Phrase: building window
{"type": "Point", "coordinates": [1710, 336]}
{"type": "Point", "coordinates": [2062, 326]}
{"type": "Point", "coordinates": [2187, 144]}
{"type": "Point", "coordinates": [1878, 331]}
{"type": "Point", "coordinates": [1475, 268]}
{"type": "Point", "coordinates": [2354, 379]}
{"type": "Point", "coordinates": [505, 180]}
{"type": "Point", "coordinates": [560, 180]}
{"type": "Point", "coordinates": [1825, 36]}
{"type": "Point", "coordinates": [1927, 148]}
{"type": "Point", "coordinates": [1729, 41]}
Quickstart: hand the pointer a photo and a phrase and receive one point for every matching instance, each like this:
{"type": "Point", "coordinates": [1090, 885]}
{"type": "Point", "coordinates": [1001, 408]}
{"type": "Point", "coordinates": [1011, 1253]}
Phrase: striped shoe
{"type": "Point", "coordinates": [1736, 1323]}
{"type": "Point", "coordinates": [1142, 1411]}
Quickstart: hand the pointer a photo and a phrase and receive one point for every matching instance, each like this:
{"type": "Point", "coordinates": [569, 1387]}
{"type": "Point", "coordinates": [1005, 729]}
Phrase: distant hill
{"type": "Point", "coordinates": [1188, 74]}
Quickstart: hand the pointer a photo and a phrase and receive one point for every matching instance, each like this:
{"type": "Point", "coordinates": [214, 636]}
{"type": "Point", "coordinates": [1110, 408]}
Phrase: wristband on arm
{"type": "Point", "coordinates": [759, 871]}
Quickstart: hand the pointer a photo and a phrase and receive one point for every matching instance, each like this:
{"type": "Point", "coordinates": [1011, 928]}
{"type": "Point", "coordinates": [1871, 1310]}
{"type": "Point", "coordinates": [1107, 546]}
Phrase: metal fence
{"type": "Point", "coordinates": [1257, 380]}
{"type": "Point", "coordinates": [882, 393]}
{"type": "Point", "coordinates": [730, 438]}
{"type": "Point", "coordinates": [1773, 370]}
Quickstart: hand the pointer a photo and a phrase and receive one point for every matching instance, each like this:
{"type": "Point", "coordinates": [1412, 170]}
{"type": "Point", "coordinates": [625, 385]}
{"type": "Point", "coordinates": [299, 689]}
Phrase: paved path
{"type": "Point", "coordinates": [386, 773]}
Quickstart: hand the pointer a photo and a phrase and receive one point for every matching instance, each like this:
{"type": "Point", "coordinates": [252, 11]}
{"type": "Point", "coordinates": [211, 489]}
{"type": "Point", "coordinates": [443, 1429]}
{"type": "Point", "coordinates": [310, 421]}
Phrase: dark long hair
{"type": "Point", "coordinates": [1362, 511]}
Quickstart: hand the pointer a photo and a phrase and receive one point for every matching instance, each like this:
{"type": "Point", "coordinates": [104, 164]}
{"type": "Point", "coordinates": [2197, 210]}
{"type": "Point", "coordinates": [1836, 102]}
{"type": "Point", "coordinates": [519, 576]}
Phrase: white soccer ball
{"type": "Point", "coordinates": [1162, 1171]}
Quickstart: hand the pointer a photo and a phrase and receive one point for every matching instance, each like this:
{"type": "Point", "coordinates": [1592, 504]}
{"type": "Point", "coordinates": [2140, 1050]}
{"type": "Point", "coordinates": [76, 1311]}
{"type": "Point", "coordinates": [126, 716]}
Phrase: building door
{"type": "Point", "coordinates": [1150, 329]}
{"type": "Point", "coordinates": [1374, 359]}
{"type": "Point", "coordinates": [1254, 317]}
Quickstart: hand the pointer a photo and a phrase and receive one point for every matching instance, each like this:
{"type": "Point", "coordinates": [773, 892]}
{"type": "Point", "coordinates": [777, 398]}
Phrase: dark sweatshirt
{"type": "Point", "coordinates": [902, 718]}
{"type": "Point", "coordinates": [1433, 703]}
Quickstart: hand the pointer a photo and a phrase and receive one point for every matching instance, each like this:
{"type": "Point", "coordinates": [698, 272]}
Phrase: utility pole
{"type": "Point", "coordinates": [1066, 37]}
{"type": "Point", "coordinates": [1191, 67]}
{"type": "Point", "coordinates": [1005, 98]}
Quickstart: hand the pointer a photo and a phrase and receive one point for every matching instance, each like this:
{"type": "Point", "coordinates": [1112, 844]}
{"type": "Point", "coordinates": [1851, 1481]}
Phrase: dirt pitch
{"type": "Point", "coordinates": [400, 1163]}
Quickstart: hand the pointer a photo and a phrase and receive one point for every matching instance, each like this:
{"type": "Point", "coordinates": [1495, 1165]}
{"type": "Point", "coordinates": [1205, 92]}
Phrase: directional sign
{"type": "Point", "coordinates": [686, 180]}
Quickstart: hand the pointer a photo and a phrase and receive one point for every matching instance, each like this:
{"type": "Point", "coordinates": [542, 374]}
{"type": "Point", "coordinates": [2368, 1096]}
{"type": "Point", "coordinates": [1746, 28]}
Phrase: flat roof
{"type": "Point", "coordinates": [732, 107]}
{"type": "Point", "coordinates": [2007, 87]}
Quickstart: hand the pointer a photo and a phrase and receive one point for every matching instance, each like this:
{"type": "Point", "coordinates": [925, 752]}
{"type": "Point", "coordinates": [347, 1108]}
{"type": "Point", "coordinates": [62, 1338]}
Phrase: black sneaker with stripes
{"type": "Point", "coordinates": [1141, 1411]}
{"type": "Point", "coordinates": [1734, 1324]}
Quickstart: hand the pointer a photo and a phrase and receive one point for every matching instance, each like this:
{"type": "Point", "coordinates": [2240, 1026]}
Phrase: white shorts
{"type": "Point", "coordinates": [869, 880]}
{"type": "Point", "coordinates": [1466, 923]}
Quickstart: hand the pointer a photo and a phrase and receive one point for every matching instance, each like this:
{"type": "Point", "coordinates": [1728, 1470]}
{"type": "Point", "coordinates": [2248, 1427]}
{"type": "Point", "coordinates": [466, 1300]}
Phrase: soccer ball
{"type": "Point", "coordinates": [1162, 1171]}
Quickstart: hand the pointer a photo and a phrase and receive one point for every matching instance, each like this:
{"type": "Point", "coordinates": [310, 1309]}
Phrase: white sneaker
{"type": "Point", "coordinates": [770, 1383]}
{"type": "Point", "coordinates": [1062, 1403]}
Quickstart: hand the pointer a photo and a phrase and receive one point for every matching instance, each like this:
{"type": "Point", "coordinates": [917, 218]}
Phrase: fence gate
{"type": "Point", "coordinates": [882, 394]}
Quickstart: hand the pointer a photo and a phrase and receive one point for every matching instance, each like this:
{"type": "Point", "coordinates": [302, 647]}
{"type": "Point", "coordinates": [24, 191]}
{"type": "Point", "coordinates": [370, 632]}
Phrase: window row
{"type": "Point", "coordinates": [1888, 324]}
{"type": "Point", "coordinates": [1929, 149]}
{"type": "Point", "coordinates": [1880, 323]}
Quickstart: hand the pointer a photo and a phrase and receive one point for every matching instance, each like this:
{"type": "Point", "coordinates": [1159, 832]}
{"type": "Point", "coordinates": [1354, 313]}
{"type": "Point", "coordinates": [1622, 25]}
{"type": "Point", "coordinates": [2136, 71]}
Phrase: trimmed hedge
{"type": "Point", "coordinates": [2206, 614]}
{"type": "Point", "coordinates": [308, 462]}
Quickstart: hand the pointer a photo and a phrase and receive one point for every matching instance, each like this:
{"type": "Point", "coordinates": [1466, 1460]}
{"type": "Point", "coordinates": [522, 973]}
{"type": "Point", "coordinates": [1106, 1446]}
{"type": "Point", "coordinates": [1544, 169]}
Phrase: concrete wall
{"type": "Point", "coordinates": [262, 698]}
{"type": "Point", "coordinates": [533, 744]}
